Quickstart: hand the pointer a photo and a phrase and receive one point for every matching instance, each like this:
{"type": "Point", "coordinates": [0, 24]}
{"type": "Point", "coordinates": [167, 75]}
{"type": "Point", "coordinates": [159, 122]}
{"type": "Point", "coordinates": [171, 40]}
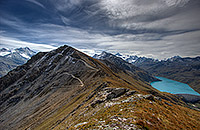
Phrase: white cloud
{"type": "Point", "coordinates": [62, 5]}
{"type": "Point", "coordinates": [89, 52]}
{"type": "Point", "coordinates": [16, 43]}
{"type": "Point", "coordinates": [147, 44]}
{"type": "Point", "coordinates": [151, 14]}
{"type": "Point", "coordinates": [36, 2]}
{"type": "Point", "coordinates": [122, 9]}
{"type": "Point", "coordinates": [165, 23]}
{"type": "Point", "coordinates": [176, 2]}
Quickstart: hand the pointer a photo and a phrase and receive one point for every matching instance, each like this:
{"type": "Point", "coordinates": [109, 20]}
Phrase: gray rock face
{"type": "Point", "coordinates": [149, 97]}
{"type": "Point", "coordinates": [131, 92]}
{"type": "Point", "coordinates": [108, 94]}
{"type": "Point", "coordinates": [116, 92]}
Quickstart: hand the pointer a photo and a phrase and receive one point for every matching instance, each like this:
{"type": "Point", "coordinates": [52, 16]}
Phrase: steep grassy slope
{"type": "Point", "coordinates": [134, 112]}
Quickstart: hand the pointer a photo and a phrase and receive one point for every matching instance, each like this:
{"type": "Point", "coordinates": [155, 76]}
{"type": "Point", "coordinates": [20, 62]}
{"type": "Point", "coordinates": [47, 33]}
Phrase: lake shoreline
{"type": "Point", "coordinates": [175, 87]}
{"type": "Point", "coordinates": [189, 97]}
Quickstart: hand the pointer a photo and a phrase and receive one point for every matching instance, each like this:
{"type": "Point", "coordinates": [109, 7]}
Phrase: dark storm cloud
{"type": "Point", "coordinates": [155, 28]}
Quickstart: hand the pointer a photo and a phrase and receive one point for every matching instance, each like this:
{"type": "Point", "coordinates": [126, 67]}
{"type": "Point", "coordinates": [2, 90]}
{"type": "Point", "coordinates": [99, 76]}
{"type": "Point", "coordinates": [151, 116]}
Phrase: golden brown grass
{"type": "Point", "coordinates": [144, 114]}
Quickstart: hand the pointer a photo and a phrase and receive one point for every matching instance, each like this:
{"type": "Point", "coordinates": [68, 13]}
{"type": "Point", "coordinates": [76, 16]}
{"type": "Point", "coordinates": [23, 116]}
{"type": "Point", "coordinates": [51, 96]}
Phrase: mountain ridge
{"type": "Point", "coordinates": [67, 89]}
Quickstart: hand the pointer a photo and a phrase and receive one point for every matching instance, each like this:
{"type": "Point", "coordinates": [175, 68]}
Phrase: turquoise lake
{"type": "Point", "coordinates": [174, 87]}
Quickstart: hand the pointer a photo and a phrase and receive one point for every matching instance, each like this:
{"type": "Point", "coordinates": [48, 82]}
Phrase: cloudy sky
{"type": "Point", "coordinates": [152, 28]}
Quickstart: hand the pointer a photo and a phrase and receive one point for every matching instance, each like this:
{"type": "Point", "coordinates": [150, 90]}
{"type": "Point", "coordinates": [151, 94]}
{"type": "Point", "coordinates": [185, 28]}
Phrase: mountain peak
{"type": "Point", "coordinates": [118, 54]}
{"type": "Point", "coordinates": [24, 49]}
{"type": "Point", "coordinates": [174, 58]}
{"type": "Point", "coordinates": [4, 51]}
{"type": "Point", "coordinates": [102, 55]}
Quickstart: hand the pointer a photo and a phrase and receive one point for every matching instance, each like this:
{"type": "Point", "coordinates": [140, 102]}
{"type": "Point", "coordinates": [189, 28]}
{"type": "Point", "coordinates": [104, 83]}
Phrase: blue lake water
{"type": "Point", "coordinates": [174, 87]}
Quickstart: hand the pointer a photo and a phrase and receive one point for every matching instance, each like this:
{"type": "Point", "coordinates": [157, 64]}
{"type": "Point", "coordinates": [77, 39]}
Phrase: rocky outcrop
{"type": "Point", "coordinates": [108, 94]}
{"type": "Point", "coordinates": [114, 92]}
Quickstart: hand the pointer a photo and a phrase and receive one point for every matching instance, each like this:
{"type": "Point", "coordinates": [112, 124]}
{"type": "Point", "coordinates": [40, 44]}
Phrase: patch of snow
{"type": "Point", "coordinates": [109, 104]}
{"type": "Point", "coordinates": [9, 55]}
{"type": "Point", "coordinates": [128, 100]}
{"type": "Point", "coordinates": [25, 56]}
{"type": "Point", "coordinates": [83, 123]}
{"type": "Point", "coordinates": [4, 53]}
{"type": "Point", "coordinates": [131, 61]}
{"type": "Point", "coordinates": [13, 51]}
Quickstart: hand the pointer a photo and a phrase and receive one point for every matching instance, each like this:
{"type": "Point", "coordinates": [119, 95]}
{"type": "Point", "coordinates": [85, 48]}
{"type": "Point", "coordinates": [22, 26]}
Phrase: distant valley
{"type": "Point", "coordinates": [185, 70]}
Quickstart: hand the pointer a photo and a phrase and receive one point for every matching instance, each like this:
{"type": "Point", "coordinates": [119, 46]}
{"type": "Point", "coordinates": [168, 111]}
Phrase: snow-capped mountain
{"type": "Point", "coordinates": [124, 65]}
{"type": "Point", "coordinates": [4, 51]}
{"type": "Point", "coordinates": [174, 58]}
{"type": "Point", "coordinates": [128, 58]}
{"type": "Point", "coordinates": [11, 58]}
{"type": "Point", "coordinates": [24, 53]}
{"type": "Point", "coordinates": [134, 59]}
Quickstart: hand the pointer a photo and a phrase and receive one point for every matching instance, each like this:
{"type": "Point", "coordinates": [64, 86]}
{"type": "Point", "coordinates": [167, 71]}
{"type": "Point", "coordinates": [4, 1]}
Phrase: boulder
{"type": "Point", "coordinates": [158, 98]}
{"type": "Point", "coordinates": [149, 97]}
{"type": "Point", "coordinates": [131, 92]}
{"type": "Point", "coordinates": [116, 92]}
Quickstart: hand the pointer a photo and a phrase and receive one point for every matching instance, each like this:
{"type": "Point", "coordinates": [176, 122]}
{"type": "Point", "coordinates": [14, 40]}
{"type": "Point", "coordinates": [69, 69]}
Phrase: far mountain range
{"type": "Point", "coordinates": [11, 58]}
{"type": "Point", "coordinates": [186, 70]}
